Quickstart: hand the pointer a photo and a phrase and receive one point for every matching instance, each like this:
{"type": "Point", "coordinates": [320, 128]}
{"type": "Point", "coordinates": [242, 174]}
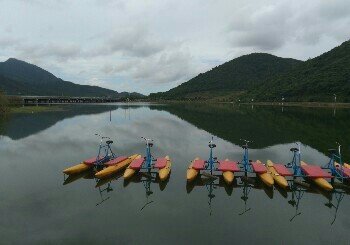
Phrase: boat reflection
{"type": "Point", "coordinates": [105, 185]}
{"type": "Point", "coordinates": [107, 189]}
{"type": "Point", "coordinates": [211, 183]}
{"type": "Point", "coordinates": [89, 174]}
{"type": "Point", "coordinates": [334, 202]}
{"type": "Point", "coordinates": [297, 190]}
{"type": "Point", "coordinates": [245, 183]}
{"type": "Point", "coordinates": [147, 179]}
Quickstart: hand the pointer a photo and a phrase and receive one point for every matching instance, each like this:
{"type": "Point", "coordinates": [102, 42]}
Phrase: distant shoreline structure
{"type": "Point", "coordinates": [301, 104]}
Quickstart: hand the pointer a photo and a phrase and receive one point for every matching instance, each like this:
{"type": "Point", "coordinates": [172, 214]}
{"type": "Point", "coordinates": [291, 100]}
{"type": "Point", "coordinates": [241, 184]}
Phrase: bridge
{"type": "Point", "coordinates": [41, 100]}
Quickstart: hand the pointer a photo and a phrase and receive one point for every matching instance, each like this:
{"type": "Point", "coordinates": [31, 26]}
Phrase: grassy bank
{"type": "Point", "coordinates": [4, 104]}
{"type": "Point", "coordinates": [302, 104]}
{"type": "Point", "coordinates": [295, 104]}
{"type": "Point", "coordinates": [35, 109]}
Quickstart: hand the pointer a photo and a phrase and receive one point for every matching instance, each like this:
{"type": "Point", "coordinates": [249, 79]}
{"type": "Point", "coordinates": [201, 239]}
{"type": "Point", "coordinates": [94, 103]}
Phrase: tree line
{"type": "Point", "coordinates": [3, 103]}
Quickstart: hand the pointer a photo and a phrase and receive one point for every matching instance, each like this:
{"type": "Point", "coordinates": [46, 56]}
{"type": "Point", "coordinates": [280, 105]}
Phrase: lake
{"type": "Point", "coordinates": [39, 205]}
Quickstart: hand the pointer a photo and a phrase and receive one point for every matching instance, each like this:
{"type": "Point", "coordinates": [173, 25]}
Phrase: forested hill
{"type": "Point", "coordinates": [237, 75]}
{"type": "Point", "coordinates": [316, 79]}
{"type": "Point", "coordinates": [21, 78]}
{"type": "Point", "coordinates": [265, 77]}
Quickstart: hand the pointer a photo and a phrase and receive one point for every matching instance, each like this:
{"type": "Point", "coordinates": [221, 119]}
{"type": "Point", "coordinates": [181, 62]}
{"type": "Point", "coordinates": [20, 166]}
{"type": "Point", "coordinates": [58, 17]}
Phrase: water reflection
{"type": "Point", "coordinates": [104, 185]}
{"type": "Point", "coordinates": [33, 193]}
{"type": "Point", "coordinates": [267, 126]}
{"type": "Point", "coordinates": [246, 184]}
{"type": "Point", "coordinates": [15, 128]}
{"type": "Point", "coordinates": [297, 191]}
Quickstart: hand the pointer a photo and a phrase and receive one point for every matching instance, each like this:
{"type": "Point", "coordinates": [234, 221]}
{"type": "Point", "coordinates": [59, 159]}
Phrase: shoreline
{"type": "Point", "coordinates": [301, 104]}
{"type": "Point", "coordinates": [13, 108]}
{"type": "Point", "coordinates": [280, 104]}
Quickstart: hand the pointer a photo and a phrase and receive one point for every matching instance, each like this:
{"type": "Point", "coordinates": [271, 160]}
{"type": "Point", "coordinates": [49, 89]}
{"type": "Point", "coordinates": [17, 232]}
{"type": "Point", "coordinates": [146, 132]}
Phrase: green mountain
{"type": "Point", "coordinates": [264, 77]}
{"type": "Point", "coordinates": [20, 78]}
{"type": "Point", "coordinates": [315, 80]}
{"type": "Point", "coordinates": [232, 77]}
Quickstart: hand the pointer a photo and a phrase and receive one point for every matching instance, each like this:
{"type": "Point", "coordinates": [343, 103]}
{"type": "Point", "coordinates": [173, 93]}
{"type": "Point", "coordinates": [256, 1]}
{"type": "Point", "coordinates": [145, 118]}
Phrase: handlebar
{"type": "Point", "coordinates": [245, 145]}
{"type": "Point", "coordinates": [146, 139]}
{"type": "Point", "coordinates": [246, 141]}
{"type": "Point", "coordinates": [102, 137]}
{"type": "Point", "coordinates": [212, 139]}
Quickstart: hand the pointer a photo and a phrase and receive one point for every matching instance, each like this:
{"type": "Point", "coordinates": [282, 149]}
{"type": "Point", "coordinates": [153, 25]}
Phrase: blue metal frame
{"type": "Point", "coordinates": [338, 197]}
{"type": "Point", "coordinates": [245, 194]}
{"type": "Point", "coordinates": [149, 159]}
{"type": "Point", "coordinates": [210, 187]}
{"type": "Point", "coordinates": [297, 193]}
{"type": "Point", "coordinates": [245, 161]}
{"type": "Point", "coordinates": [336, 172]}
{"type": "Point", "coordinates": [295, 163]}
{"type": "Point", "coordinates": [210, 163]}
{"type": "Point", "coordinates": [108, 153]}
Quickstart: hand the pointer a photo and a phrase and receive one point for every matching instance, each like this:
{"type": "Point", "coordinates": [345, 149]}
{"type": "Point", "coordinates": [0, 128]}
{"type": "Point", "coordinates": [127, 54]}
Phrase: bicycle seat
{"type": "Point", "coordinates": [108, 142]}
{"type": "Point", "coordinates": [294, 149]}
{"type": "Point", "coordinates": [212, 145]}
{"type": "Point", "coordinates": [150, 144]}
{"type": "Point", "coordinates": [332, 151]}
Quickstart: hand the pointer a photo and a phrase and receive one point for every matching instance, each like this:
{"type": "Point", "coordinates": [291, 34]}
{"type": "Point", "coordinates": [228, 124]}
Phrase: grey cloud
{"type": "Point", "coordinates": [111, 3]}
{"type": "Point", "coordinates": [134, 42]}
{"type": "Point", "coordinates": [44, 3]}
{"type": "Point", "coordinates": [167, 67]}
{"type": "Point", "coordinates": [272, 26]}
{"type": "Point", "coordinates": [261, 40]}
{"type": "Point", "coordinates": [263, 27]}
{"type": "Point", "coordinates": [61, 52]}
{"type": "Point", "coordinates": [334, 10]}
{"type": "Point", "coordinates": [8, 41]}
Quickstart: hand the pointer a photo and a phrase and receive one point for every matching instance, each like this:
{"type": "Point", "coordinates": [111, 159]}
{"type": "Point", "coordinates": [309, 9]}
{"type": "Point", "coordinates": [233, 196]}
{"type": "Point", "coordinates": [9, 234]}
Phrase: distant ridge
{"type": "Point", "coordinates": [18, 77]}
{"type": "Point", "coordinates": [236, 75]}
{"type": "Point", "coordinates": [264, 77]}
{"type": "Point", "coordinates": [317, 79]}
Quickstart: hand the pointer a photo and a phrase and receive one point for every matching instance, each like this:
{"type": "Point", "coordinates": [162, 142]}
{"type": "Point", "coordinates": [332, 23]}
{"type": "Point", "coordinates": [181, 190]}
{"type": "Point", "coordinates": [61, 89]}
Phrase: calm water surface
{"type": "Point", "coordinates": [37, 206]}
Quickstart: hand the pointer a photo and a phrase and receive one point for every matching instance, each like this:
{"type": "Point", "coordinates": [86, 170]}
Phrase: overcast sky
{"type": "Point", "coordinates": [150, 46]}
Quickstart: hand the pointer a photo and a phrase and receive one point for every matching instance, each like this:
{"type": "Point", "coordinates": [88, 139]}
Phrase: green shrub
{"type": "Point", "coordinates": [3, 103]}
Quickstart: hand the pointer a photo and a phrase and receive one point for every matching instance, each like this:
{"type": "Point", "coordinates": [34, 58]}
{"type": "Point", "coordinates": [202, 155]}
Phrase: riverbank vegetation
{"type": "Point", "coordinates": [14, 105]}
{"type": "Point", "coordinates": [4, 104]}
{"type": "Point", "coordinates": [36, 109]}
